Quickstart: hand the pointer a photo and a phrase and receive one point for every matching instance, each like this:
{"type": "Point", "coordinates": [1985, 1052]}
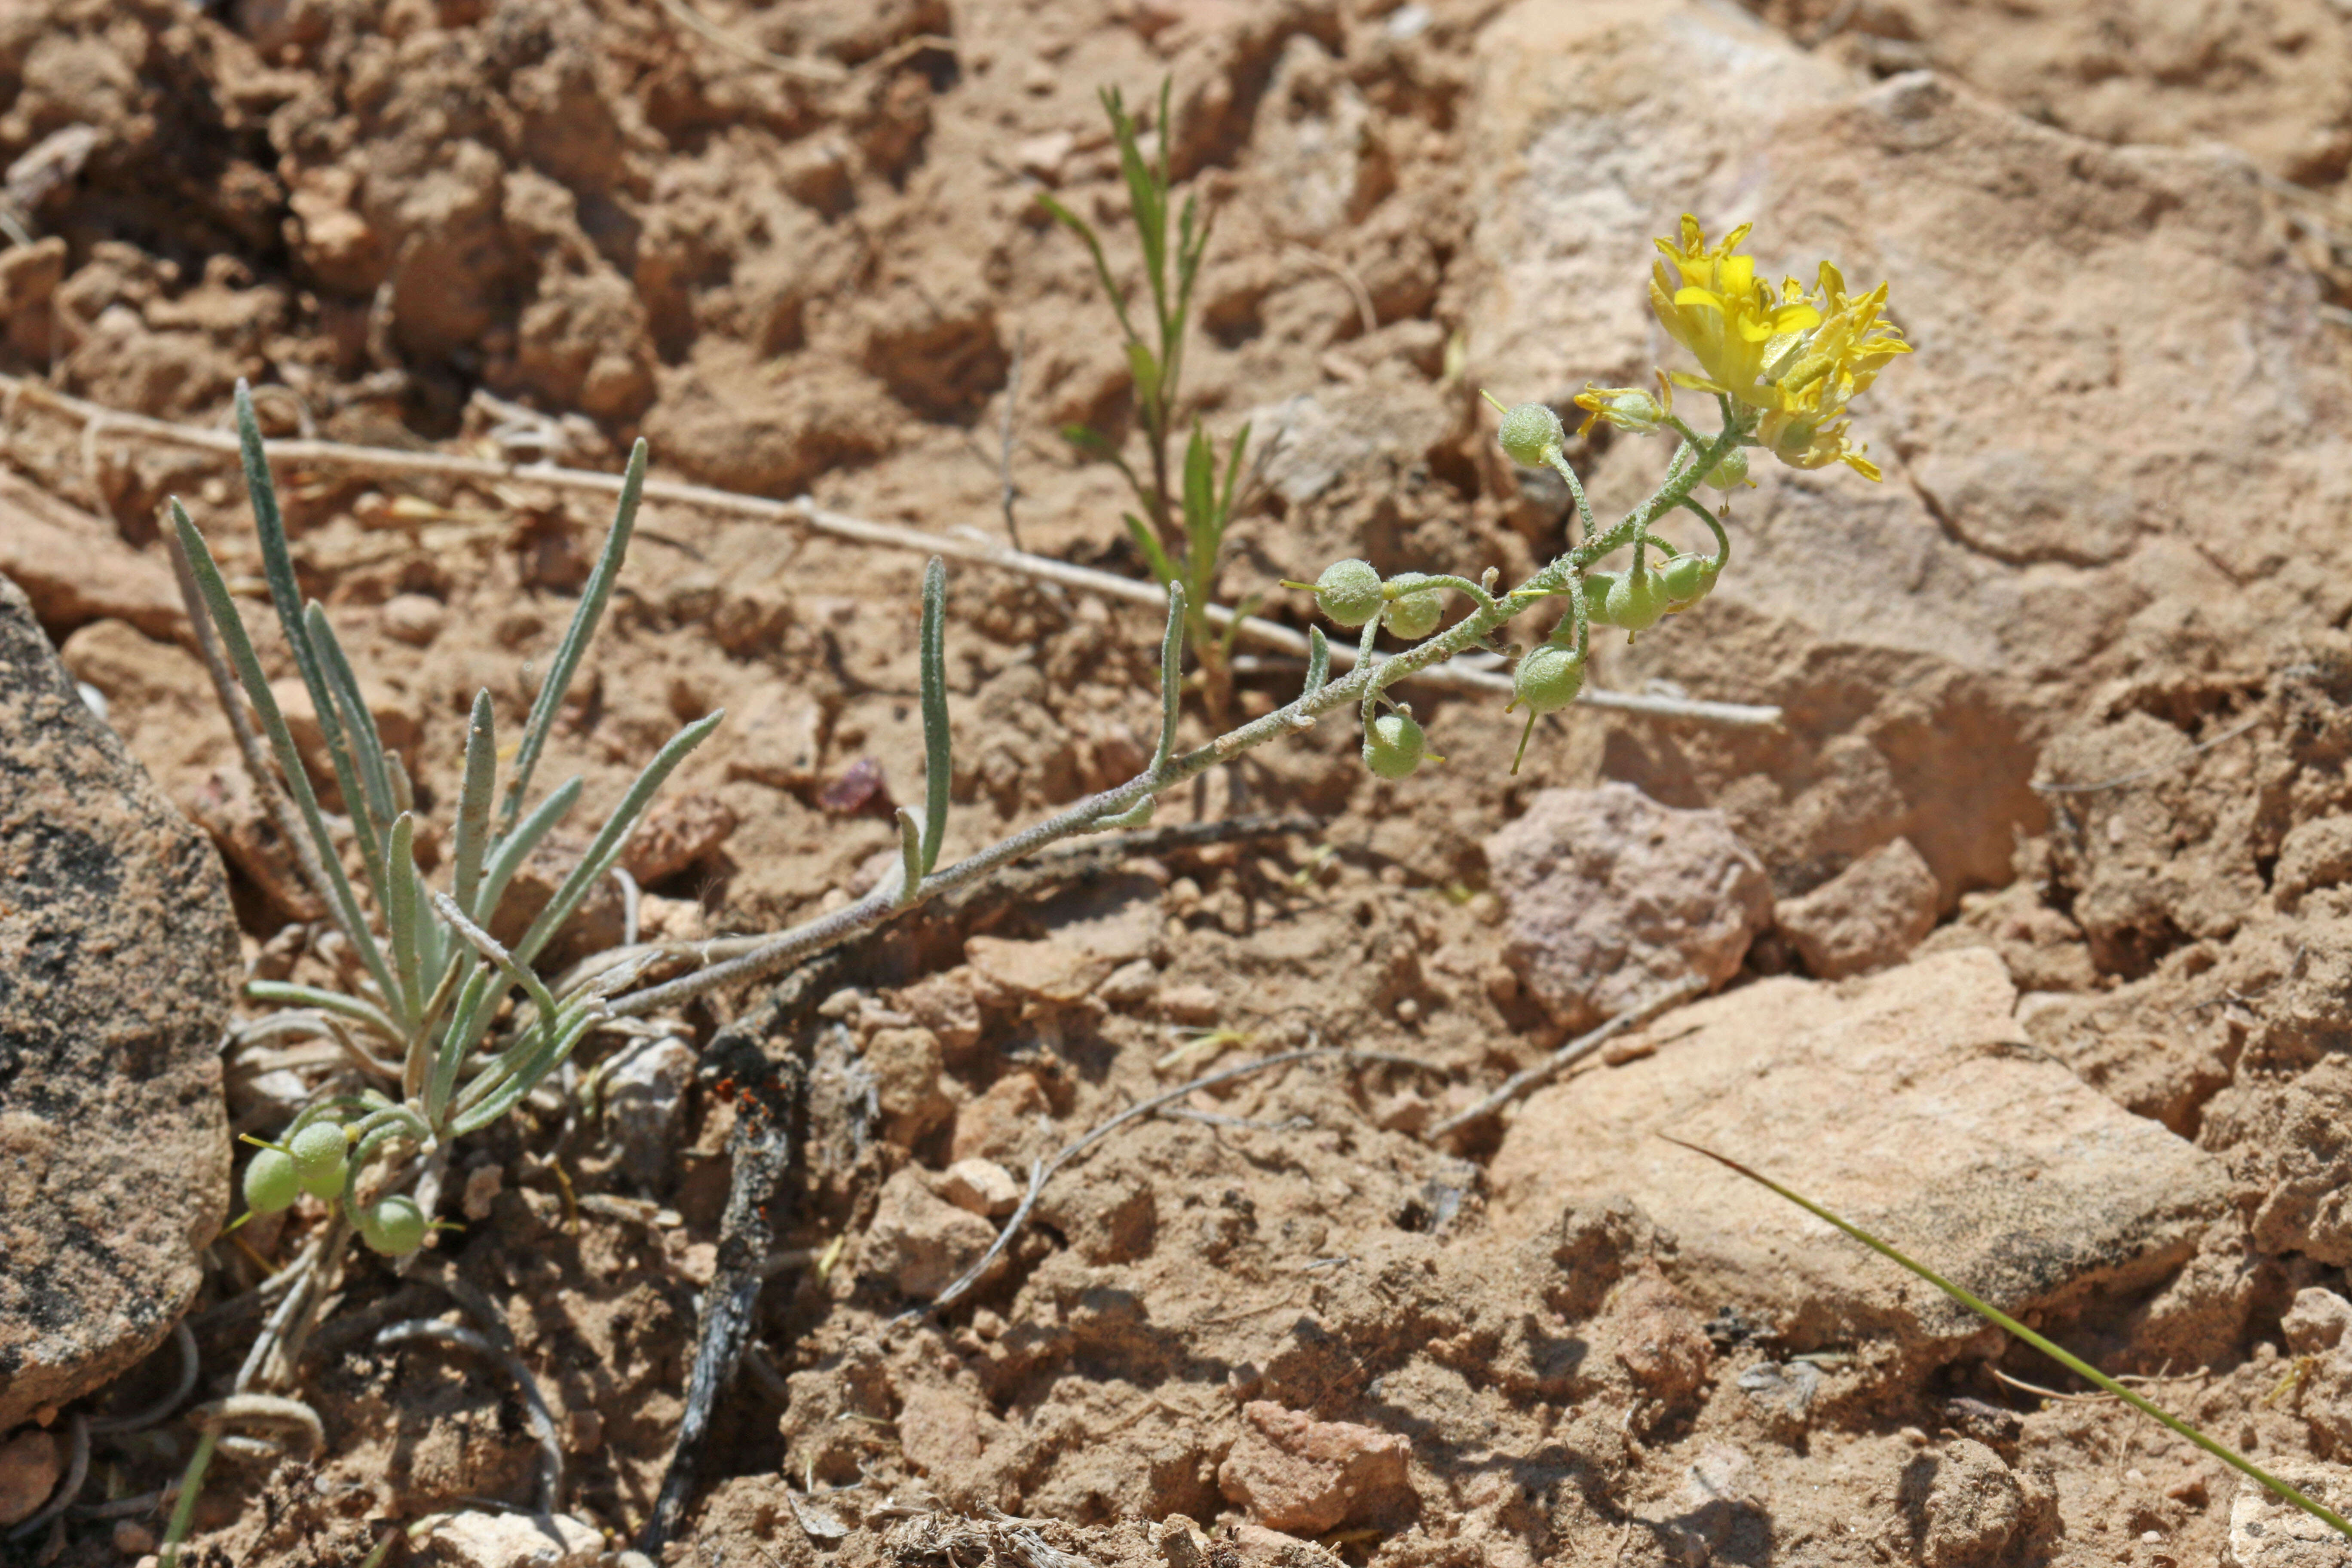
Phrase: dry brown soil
{"type": "Point", "coordinates": [820, 281]}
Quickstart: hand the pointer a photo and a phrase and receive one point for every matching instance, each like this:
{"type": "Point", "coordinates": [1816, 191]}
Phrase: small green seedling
{"type": "Point", "coordinates": [2072, 1363]}
{"type": "Point", "coordinates": [1182, 531]}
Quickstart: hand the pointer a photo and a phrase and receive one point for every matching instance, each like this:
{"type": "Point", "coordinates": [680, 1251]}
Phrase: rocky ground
{"type": "Point", "coordinates": [2030, 926]}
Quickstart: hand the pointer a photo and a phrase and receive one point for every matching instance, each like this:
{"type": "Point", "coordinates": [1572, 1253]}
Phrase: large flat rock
{"type": "Point", "coordinates": [1910, 1104]}
{"type": "Point", "coordinates": [118, 954]}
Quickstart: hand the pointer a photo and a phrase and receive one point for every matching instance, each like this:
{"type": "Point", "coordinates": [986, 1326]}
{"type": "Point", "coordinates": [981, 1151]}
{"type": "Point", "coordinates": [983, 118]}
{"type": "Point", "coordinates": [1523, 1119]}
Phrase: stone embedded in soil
{"type": "Point", "coordinates": [483, 1540]}
{"type": "Point", "coordinates": [980, 1187]}
{"type": "Point", "coordinates": [919, 1240]}
{"type": "Point", "coordinates": [1294, 1473]}
{"type": "Point", "coordinates": [905, 1065]}
{"type": "Point", "coordinates": [643, 1102]}
{"type": "Point", "coordinates": [2313, 1328]}
{"type": "Point", "coordinates": [2266, 1532]}
{"type": "Point", "coordinates": [1006, 1122]}
{"type": "Point", "coordinates": [74, 568]}
{"type": "Point", "coordinates": [678, 831]}
{"type": "Point", "coordinates": [1868, 915]}
{"type": "Point", "coordinates": [119, 952]}
{"type": "Point", "coordinates": [1910, 1104]}
{"type": "Point", "coordinates": [1972, 1508]}
{"type": "Point", "coordinates": [1612, 897]}
{"type": "Point", "coordinates": [2315, 853]}
{"type": "Point", "coordinates": [30, 1466]}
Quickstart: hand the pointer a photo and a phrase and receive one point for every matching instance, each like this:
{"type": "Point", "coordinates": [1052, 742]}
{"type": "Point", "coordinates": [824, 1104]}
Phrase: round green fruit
{"type": "Point", "coordinates": [1547, 679]}
{"type": "Point", "coordinates": [1531, 433]}
{"type": "Point", "coordinates": [1349, 592]}
{"type": "Point", "coordinates": [1634, 601]}
{"type": "Point", "coordinates": [1412, 616]}
{"type": "Point", "coordinates": [1596, 597]}
{"type": "Point", "coordinates": [1686, 579]}
{"type": "Point", "coordinates": [1730, 471]}
{"type": "Point", "coordinates": [319, 1149]}
{"type": "Point", "coordinates": [1393, 745]}
{"type": "Point", "coordinates": [394, 1226]}
{"type": "Point", "coordinates": [270, 1184]}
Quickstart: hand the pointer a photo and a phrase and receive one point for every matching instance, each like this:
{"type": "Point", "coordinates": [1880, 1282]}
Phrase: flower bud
{"type": "Point", "coordinates": [1634, 601]}
{"type": "Point", "coordinates": [1730, 471]}
{"type": "Point", "coordinates": [1349, 592]}
{"type": "Point", "coordinates": [1626, 408]}
{"type": "Point", "coordinates": [1393, 745]}
{"type": "Point", "coordinates": [1547, 679]}
{"type": "Point", "coordinates": [270, 1184]}
{"type": "Point", "coordinates": [319, 1149]}
{"type": "Point", "coordinates": [1531, 433]}
{"type": "Point", "coordinates": [394, 1226]}
{"type": "Point", "coordinates": [1413, 611]}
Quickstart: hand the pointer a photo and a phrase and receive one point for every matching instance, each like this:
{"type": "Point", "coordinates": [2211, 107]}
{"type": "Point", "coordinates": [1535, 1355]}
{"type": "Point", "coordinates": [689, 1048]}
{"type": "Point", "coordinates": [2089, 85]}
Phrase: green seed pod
{"type": "Point", "coordinates": [319, 1149]}
{"type": "Point", "coordinates": [392, 1226]}
{"type": "Point", "coordinates": [1393, 745]}
{"type": "Point", "coordinates": [1634, 601]}
{"type": "Point", "coordinates": [1597, 586]}
{"type": "Point", "coordinates": [1531, 433]}
{"type": "Point", "coordinates": [1547, 679]}
{"type": "Point", "coordinates": [1349, 592]}
{"type": "Point", "coordinates": [1412, 616]}
{"type": "Point", "coordinates": [270, 1184]}
{"type": "Point", "coordinates": [1686, 579]}
{"type": "Point", "coordinates": [1729, 472]}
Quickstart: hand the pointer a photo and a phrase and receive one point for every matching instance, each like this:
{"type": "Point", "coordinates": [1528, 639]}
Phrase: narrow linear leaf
{"type": "Point", "coordinates": [1318, 661]}
{"type": "Point", "coordinates": [372, 815]}
{"type": "Point", "coordinates": [477, 998]}
{"type": "Point", "coordinates": [937, 764]}
{"type": "Point", "coordinates": [605, 848]}
{"type": "Point", "coordinates": [285, 995]}
{"type": "Point", "coordinates": [524, 1079]}
{"type": "Point", "coordinates": [474, 803]}
{"type": "Point", "coordinates": [516, 846]}
{"type": "Point", "coordinates": [1155, 554]}
{"type": "Point", "coordinates": [1085, 232]}
{"type": "Point", "coordinates": [401, 911]}
{"type": "Point", "coordinates": [910, 857]}
{"type": "Point", "coordinates": [488, 947]}
{"type": "Point", "coordinates": [2066, 1359]}
{"type": "Point", "coordinates": [593, 597]}
{"type": "Point", "coordinates": [239, 647]}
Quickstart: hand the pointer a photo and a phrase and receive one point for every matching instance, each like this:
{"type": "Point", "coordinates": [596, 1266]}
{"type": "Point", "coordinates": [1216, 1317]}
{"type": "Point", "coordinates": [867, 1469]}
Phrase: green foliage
{"type": "Point", "coordinates": [1182, 531]}
{"type": "Point", "coordinates": [421, 1023]}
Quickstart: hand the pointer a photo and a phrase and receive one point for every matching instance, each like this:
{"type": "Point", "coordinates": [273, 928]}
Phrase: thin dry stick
{"type": "Point", "coordinates": [385, 461]}
{"type": "Point", "coordinates": [1007, 493]}
{"type": "Point", "coordinates": [1569, 1055]}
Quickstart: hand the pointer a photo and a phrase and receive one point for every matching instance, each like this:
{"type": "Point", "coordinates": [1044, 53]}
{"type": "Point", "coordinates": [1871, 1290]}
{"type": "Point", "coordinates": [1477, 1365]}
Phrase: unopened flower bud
{"type": "Point", "coordinates": [1625, 407]}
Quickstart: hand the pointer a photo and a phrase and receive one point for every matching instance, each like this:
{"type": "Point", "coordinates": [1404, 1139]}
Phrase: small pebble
{"type": "Point", "coordinates": [132, 1539]}
{"type": "Point", "coordinates": [2153, 1537]}
{"type": "Point", "coordinates": [413, 619]}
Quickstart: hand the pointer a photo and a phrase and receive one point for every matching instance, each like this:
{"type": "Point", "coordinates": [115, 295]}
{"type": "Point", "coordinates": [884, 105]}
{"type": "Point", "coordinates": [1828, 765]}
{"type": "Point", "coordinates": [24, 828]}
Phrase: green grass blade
{"type": "Point", "coordinates": [937, 764]}
{"type": "Point", "coordinates": [239, 647]}
{"type": "Point", "coordinates": [1199, 496]}
{"type": "Point", "coordinates": [516, 846]}
{"type": "Point", "coordinates": [605, 849]}
{"type": "Point", "coordinates": [593, 597]}
{"type": "Point", "coordinates": [474, 803]}
{"type": "Point", "coordinates": [1171, 676]}
{"type": "Point", "coordinates": [1155, 554]}
{"type": "Point", "coordinates": [2066, 1359]}
{"type": "Point", "coordinates": [1232, 476]}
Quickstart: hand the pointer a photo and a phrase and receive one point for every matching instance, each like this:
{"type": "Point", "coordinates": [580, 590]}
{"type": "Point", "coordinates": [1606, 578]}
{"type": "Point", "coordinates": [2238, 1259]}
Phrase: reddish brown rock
{"type": "Point", "coordinates": [1868, 915]}
{"type": "Point", "coordinates": [1612, 896]}
{"type": "Point", "coordinates": [1297, 1474]}
{"type": "Point", "coordinates": [118, 953]}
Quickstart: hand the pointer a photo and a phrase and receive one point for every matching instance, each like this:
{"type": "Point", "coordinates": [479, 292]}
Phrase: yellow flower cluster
{"type": "Point", "coordinates": [1797, 358]}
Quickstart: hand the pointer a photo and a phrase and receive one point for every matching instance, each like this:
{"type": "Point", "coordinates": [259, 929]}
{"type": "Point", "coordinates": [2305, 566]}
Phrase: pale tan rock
{"type": "Point", "coordinates": [396, 723]}
{"type": "Point", "coordinates": [1976, 1511]}
{"type": "Point", "coordinates": [415, 618]}
{"type": "Point", "coordinates": [1908, 1103]}
{"type": "Point", "coordinates": [678, 831]}
{"type": "Point", "coordinates": [943, 1004]}
{"type": "Point", "coordinates": [1294, 1473]}
{"type": "Point", "coordinates": [980, 1186]}
{"type": "Point", "coordinates": [1003, 1123]}
{"type": "Point", "coordinates": [30, 1468]}
{"type": "Point", "coordinates": [2316, 1320]}
{"type": "Point", "coordinates": [2266, 1532]}
{"type": "Point", "coordinates": [920, 1241]}
{"type": "Point", "coordinates": [2315, 853]}
{"type": "Point", "coordinates": [1868, 915]}
{"type": "Point", "coordinates": [780, 743]}
{"type": "Point", "coordinates": [1611, 897]}
{"type": "Point", "coordinates": [74, 568]}
{"type": "Point", "coordinates": [941, 1430]}
{"type": "Point", "coordinates": [905, 1065]}
{"type": "Point", "coordinates": [1193, 1003]}
{"type": "Point", "coordinates": [1048, 971]}
{"type": "Point", "coordinates": [509, 1540]}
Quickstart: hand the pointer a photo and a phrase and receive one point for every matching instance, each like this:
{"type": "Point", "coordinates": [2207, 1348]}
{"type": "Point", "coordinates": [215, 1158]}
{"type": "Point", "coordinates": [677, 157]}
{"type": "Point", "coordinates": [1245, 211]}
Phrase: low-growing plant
{"type": "Point", "coordinates": [419, 1023]}
{"type": "Point", "coordinates": [1186, 507]}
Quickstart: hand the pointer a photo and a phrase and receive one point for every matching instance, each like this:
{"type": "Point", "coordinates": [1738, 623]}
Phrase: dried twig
{"type": "Point", "coordinates": [184, 1341]}
{"type": "Point", "coordinates": [1007, 493]}
{"type": "Point", "coordinates": [385, 461]}
{"type": "Point", "coordinates": [1575, 1051]}
{"type": "Point", "coordinates": [2153, 769]}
